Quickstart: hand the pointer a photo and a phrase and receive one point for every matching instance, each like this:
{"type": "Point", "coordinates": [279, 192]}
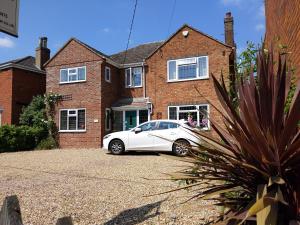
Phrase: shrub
{"type": "Point", "coordinates": [254, 169]}
{"type": "Point", "coordinates": [47, 143]}
{"type": "Point", "coordinates": [15, 138]}
{"type": "Point", "coordinates": [34, 114]}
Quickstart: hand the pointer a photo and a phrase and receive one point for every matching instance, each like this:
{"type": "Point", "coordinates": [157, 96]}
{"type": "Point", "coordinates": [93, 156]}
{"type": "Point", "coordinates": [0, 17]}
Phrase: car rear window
{"type": "Point", "coordinates": [167, 125]}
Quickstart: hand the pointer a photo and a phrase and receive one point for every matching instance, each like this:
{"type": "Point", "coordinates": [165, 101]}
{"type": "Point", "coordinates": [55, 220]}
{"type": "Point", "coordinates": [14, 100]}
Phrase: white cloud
{"type": "Point", "coordinates": [106, 30]}
{"type": "Point", "coordinates": [260, 27]}
{"type": "Point", "coordinates": [6, 42]}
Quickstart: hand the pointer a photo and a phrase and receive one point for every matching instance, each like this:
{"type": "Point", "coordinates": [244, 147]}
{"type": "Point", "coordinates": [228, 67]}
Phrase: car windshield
{"type": "Point", "coordinates": [148, 126]}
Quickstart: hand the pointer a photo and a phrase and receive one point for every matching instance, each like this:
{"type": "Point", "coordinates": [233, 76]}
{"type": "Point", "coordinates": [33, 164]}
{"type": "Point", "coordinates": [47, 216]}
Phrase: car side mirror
{"type": "Point", "coordinates": [137, 130]}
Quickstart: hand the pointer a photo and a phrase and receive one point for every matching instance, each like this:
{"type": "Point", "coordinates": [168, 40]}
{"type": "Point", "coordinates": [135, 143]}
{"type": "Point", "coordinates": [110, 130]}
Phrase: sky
{"type": "Point", "coordinates": [104, 24]}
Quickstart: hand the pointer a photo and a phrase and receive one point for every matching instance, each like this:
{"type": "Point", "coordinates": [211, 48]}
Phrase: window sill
{"type": "Point", "coordinates": [72, 82]}
{"type": "Point", "coordinates": [134, 87]}
{"type": "Point", "coordinates": [191, 79]}
{"type": "Point", "coordinates": [108, 81]}
{"type": "Point", "coordinates": [72, 131]}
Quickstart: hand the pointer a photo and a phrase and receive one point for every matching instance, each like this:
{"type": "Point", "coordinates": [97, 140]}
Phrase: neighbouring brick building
{"type": "Point", "coordinates": [283, 27]}
{"type": "Point", "coordinates": [159, 80]}
{"type": "Point", "coordinates": [20, 80]}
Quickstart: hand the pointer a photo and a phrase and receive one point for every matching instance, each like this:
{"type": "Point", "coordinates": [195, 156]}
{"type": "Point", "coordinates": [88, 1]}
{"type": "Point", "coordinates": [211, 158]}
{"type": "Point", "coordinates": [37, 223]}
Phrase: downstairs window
{"type": "Point", "coordinates": [200, 114]}
{"type": "Point", "coordinates": [72, 120]}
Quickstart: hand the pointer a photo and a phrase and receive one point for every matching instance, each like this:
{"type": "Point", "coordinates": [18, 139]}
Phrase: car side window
{"type": "Point", "coordinates": [148, 126]}
{"type": "Point", "coordinates": [167, 125]}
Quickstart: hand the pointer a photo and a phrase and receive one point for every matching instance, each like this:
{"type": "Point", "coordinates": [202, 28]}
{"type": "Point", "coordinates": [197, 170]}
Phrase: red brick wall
{"type": "Point", "coordinates": [110, 92]}
{"type": "Point", "coordinates": [129, 92]}
{"type": "Point", "coordinates": [6, 95]}
{"type": "Point", "coordinates": [84, 94]}
{"type": "Point", "coordinates": [163, 93]}
{"type": "Point", "coordinates": [17, 88]}
{"type": "Point", "coordinates": [282, 21]}
{"type": "Point", "coordinates": [26, 84]}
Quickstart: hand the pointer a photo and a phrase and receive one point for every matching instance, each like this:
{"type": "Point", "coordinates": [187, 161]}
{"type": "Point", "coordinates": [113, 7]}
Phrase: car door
{"type": "Point", "coordinates": [165, 134]}
{"type": "Point", "coordinates": [142, 140]}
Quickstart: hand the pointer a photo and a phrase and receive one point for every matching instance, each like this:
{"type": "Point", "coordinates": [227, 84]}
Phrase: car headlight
{"type": "Point", "coordinates": [106, 136]}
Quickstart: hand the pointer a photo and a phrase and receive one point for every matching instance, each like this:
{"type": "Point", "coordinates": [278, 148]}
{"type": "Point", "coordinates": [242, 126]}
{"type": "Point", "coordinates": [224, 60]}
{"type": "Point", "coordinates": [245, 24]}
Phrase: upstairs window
{"type": "Point", "coordinates": [133, 77]}
{"type": "Point", "coordinates": [71, 75]}
{"type": "Point", "coordinates": [188, 68]}
{"type": "Point", "coordinates": [107, 74]}
{"type": "Point", "coordinates": [72, 120]}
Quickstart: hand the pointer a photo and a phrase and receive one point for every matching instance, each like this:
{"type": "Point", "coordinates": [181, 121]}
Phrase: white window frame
{"type": "Point", "coordinates": [195, 110]}
{"type": "Point", "coordinates": [109, 111]}
{"type": "Point", "coordinates": [198, 77]}
{"type": "Point", "coordinates": [109, 76]}
{"type": "Point", "coordinates": [72, 131]}
{"type": "Point", "coordinates": [130, 77]}
{"type": "Point", "coordinates": [75, 81]}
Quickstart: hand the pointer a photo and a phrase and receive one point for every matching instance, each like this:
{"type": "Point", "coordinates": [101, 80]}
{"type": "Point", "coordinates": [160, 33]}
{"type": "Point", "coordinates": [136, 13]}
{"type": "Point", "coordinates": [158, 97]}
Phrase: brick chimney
{"type": "Point", "coordinates": [228, 26]}
{"type": "Point", "coordinates": [42, 53]}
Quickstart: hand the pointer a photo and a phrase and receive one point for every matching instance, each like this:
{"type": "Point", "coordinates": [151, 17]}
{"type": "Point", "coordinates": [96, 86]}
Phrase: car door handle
{"type": "Point", "coordinates": [172, 133]}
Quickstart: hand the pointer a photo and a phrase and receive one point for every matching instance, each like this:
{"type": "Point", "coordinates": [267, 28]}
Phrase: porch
{"type": "Point", "coordinates": [128, 113]}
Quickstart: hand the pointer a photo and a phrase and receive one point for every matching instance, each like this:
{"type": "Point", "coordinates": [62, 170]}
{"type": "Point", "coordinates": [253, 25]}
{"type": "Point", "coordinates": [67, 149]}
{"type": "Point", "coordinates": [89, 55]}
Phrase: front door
{"type": "Point", "coordinates": [130, 119]}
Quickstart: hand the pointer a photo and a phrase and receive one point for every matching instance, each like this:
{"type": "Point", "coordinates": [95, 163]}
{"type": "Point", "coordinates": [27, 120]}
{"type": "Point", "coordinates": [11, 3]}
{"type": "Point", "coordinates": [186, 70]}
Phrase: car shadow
{"type": "Point", "coordinates": [143, 153]}
{"type": "Point", "coordinates": [136, 215]}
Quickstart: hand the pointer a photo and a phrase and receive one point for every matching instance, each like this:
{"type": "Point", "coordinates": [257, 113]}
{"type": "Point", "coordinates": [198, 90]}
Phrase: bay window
{"type": "Point", "coordinates": [71, 75]}
{"type": "Point", "coordinates": [200, 114]}
{"type": "Point", "coordinates": [133, 77]}
{"type": "Point", "coordinates": [188, 68]}
{"type": "Point", "coordinates": [72, 120]}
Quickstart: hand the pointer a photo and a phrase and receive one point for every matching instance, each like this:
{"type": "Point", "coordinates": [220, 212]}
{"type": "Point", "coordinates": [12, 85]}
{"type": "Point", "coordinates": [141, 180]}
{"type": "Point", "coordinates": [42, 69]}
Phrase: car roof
{"type": "Point", "coordinates": [165, 120]}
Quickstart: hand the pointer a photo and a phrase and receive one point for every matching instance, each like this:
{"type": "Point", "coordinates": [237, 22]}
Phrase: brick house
{"type": "Point", "coordinates": [159, 80]}
{"type": "Point", "coordinates": [283, 27]}
{"type": "Point", "coordinates": [20, 80]}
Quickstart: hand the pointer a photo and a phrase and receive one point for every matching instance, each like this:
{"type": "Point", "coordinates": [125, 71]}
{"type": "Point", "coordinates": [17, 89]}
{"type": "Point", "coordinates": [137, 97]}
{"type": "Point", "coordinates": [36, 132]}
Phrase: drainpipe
{"type": "Point", "coordinates": [144, 78]}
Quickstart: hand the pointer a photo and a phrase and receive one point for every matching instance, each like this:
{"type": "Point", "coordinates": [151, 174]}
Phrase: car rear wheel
{"type": "Point", "coordinates": [181, 147]}
{"type": "Point", "coordinates": [116, 147]}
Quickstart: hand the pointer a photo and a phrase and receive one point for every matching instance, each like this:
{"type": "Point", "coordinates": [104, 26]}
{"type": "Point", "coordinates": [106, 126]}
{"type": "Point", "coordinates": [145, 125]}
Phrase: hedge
{"type": "Point", "coordinates": [16, 138]}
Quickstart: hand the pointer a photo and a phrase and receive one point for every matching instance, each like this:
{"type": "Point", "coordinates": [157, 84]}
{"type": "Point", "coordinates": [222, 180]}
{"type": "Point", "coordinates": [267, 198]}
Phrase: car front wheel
{"type": "Point", "coordinates": [181, 147]}
{"type": "Point", "coordinates": [116, 147]}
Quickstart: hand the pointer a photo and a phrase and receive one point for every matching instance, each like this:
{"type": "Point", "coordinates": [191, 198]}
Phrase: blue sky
{"type": "Point", "coordinates": [105, 24]}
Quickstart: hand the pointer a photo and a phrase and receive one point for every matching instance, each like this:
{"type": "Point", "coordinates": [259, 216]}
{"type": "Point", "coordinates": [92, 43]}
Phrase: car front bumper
{"type": "Point", "coordinates": [105, 143]}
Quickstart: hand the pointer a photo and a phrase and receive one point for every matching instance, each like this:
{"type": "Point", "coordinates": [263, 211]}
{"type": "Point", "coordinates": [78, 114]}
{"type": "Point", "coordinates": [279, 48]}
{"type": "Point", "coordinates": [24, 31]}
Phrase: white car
{"type": "Point", "coordinates": [154, 135]}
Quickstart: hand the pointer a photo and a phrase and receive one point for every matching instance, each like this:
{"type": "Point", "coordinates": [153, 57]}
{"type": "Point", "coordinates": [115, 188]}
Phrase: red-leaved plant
{"type": "Point", "coordinates": [253, 169]}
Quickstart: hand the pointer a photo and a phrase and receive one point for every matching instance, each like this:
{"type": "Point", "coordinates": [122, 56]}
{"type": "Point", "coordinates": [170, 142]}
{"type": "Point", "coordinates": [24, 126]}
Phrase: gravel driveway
{"type": "Point", "coordinates": [96, 188]}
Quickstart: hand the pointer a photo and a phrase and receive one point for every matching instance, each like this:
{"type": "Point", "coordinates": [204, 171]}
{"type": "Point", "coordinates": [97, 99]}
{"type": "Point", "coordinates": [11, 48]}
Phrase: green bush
{"type": "Point", "coordinates": [15, 138]}
{"type": "Point", "coordinates": [47, 143]}
{"type": "Point", "coordinates": [34, 115]}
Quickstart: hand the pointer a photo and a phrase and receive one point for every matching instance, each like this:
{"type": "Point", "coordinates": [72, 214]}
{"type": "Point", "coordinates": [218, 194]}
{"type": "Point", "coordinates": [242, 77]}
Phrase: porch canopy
{"type": "Point", "coordinates": [126, 104]}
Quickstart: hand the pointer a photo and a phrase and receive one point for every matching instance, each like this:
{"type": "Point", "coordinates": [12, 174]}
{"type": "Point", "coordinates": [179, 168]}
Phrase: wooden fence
{"type": "Point", "coordinates": [10, 213]}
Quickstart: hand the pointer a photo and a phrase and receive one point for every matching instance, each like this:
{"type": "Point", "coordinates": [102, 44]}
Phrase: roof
{"type": "Point", "coordinates": [25, 63]}
{"type": "Point", "coordinates": [130, 103]}
{"type": "Point", "coordinates": [136, 54]}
